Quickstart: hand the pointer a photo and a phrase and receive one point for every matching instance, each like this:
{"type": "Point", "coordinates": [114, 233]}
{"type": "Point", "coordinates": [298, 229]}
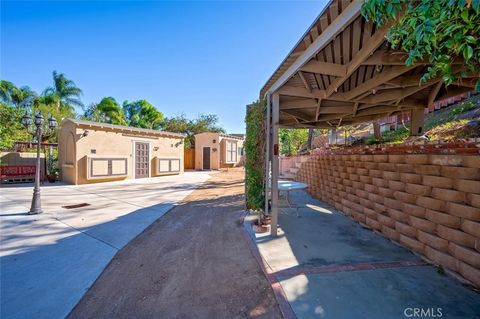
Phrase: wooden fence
{"type": "Point", "coordinates": [189, 158]}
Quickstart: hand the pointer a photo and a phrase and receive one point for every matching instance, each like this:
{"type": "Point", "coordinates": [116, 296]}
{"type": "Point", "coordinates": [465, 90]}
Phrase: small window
{"type": "Point", "coordinates": [240, 151]}
{"type": "Point", "coordinates": [231, 151]}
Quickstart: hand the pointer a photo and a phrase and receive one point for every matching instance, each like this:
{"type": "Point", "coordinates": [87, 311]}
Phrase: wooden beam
{"type": "Point", "coordinates": [298, 116]}
{"type": "Point", "coordinates": [394, 94]}
{"type": "Point", "coordinates": [349, 14]}
{"type": "Point", "coordinates": [301, 92]}
{"type": "Point", "coordinates": [305, 82]}
{"type": "Point", "coordinates": [317, 112]}
{"type": "Point", "coordinates": [298, 104]}
{"type": "Point", "coordinates": [327, 68]}
{"type": "Point", "coordinates": [371, 45]}
{"type": "Point", "coordinates": [433, 93]}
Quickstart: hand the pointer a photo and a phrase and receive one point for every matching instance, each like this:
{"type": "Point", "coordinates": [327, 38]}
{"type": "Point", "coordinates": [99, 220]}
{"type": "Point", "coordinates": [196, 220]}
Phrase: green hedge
{"type": "Point", "coordinates": [254, 146]}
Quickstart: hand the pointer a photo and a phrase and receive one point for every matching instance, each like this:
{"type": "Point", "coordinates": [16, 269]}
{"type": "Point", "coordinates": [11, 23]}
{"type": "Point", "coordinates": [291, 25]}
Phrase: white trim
{"type": "Point", "coordinates": [337, 26]}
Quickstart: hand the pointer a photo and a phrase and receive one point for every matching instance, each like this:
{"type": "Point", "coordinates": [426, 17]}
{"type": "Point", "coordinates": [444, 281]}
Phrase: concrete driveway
{"type": "Point", "coordinates": [49, 261]}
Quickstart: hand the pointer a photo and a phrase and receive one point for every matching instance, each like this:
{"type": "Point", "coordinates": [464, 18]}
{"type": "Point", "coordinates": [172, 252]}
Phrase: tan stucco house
{"type": "Point", "coordinates": [90, 152]}
{"type": "Point", "coordinates": [217, 150]}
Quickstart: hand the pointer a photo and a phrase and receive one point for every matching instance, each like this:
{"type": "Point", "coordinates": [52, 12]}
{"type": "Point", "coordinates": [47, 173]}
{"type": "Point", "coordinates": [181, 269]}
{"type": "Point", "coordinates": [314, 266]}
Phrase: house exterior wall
{"type": "Point", "coordinates": [427, 202]}
{"type": "Point", "coordinates": [206, 140]}
{"type": "Point", "coordinates": [102, 144]}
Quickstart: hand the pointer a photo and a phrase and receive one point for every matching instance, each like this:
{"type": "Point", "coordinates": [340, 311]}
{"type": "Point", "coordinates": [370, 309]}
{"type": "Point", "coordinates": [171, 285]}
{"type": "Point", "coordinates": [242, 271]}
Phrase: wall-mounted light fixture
{"type": "Point", "coordinates": [155, 148]}
{"type": "Point", "coordinates": [85, 133]}
{"type": "Point", "coordinates": [214, 141]}
{"type": "Point", "coordinates": [214, 149]}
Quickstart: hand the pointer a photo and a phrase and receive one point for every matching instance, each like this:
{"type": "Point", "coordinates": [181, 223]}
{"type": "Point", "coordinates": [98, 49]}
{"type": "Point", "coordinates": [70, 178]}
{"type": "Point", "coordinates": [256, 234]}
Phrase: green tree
{"type": "Point", "coordinates": [441, 31]}
{"type": "Point", "coordinates": [21, 97]}
{"type": "Point", "coordinates": [107, 111]}
{"type": "Point", "coordinates": [142, 114]}
{"type": "Point", "coordinates": [64, 93]}
{"type": "Point", "coordinates": [204, 123]}
{"type": "Point", "coordinates": [292, 140]}
{"type": "Point", "coordinates": [11, 129]}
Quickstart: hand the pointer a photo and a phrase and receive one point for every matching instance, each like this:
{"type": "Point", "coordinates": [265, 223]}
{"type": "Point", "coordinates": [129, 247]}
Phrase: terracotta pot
{"type": "Point", "coordinates": [51, 179]}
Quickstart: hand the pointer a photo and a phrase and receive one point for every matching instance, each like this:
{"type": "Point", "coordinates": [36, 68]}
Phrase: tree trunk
{"type": "Point", "coordinates": [310, 138]}
{"type": "Point", "coordinates": [376, 130]}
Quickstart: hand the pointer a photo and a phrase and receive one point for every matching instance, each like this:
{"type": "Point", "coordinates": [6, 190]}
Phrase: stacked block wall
{"type": "Point", "coordinates": [428, 203]}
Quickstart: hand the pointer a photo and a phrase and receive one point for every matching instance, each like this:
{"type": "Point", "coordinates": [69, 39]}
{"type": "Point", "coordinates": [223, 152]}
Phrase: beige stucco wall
{"type": "Point", "coordinates": [218, 157]}
{"type": "Point", "coordinates": [101, 143]}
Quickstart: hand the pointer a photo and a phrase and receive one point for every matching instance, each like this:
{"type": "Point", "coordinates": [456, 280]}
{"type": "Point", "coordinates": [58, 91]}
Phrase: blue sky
{"type": "Point", "coordinates": [184, 57]}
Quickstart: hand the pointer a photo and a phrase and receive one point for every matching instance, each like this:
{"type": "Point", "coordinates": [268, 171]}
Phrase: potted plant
{"type": "Point", "coordinates": [52, 170]}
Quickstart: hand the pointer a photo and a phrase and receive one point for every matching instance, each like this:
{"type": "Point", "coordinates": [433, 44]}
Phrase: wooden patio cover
{"type": "Point", "coordinates": [343, 72]}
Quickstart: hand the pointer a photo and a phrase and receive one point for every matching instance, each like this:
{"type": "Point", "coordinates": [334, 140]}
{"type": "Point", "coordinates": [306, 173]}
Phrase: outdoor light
{"type": "Point", "coordinates": [214, 141]}
{"type": "Point", "coordinates": [85, 133]}
{"type": "Point", "coordinates": [39, 119]}
{"type": "Point", "coordinates": [38, 122]}
{"type": "Point", "coordinates": [52, 122]}
{"type": "Point", "coordinates": [26, 120]}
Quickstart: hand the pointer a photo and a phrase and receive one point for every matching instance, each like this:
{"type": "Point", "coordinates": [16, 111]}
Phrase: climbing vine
{"type": "Point", "coordinates": [440, 31]}
{"type": "Point", "coordinates": [254, 146]}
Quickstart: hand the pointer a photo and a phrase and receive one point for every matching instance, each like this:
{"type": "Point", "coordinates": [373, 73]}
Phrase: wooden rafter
{"type": "Point", "coordinates": [325, 68]}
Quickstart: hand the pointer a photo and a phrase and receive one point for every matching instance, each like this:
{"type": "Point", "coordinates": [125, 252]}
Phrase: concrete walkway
{"type": "Point", "coordinates": [49, 261]}
{"type": "Point", "coordinates": [324, 265]}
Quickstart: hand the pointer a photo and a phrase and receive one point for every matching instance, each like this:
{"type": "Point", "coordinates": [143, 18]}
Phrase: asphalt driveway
{"type": "Point", "coordinates": [49, 261]}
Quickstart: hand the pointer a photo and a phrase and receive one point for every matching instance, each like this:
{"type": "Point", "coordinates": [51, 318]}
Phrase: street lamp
{"type": "Point", "coordinates": [36, 207]}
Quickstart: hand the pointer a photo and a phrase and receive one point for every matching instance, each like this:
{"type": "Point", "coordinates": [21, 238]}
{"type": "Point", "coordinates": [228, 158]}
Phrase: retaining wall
{"type": "Point", "coordinates": [427, 202]}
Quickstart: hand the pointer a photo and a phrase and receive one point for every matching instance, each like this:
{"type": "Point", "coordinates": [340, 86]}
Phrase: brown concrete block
{"type": "Point", "coordinates": [362, 171]}
{"type": "Point", "coordinates": [467, 186]}
{"type": "Point", "coordinates": [375, 198]}
{"type": "Point", "coordinates": [412, 243]}
{"type": "Point", "coordinates": [379, 208]}
{"type": "Point", "coordinates": [392, 203]}
{"type": "Point", "coordinates": [357, 185]}
{"type": "Point", "coordinates": [428, 170]}
{"type": "Point", "coordinates": [414, 210]}
{"type": "Point", "coordinates": [461, 172]}
{"type": "Point", "coordinates": [445, 160]}
{"type": "Point", "coordinates": [353, 177]}
{"type": "Point", "coordinates": [366, 158]}
{"type": "Point", "coordinates": [370, 188]}
{"type": "Point", "coordinates": [416, 159]}
{"type": "Point", "coordinates": [441, 258]}
{"type": "Point", "coordinates": [365, 179]}
{"type": "Point", "coordinates": [371, 165]}
{"type": "Point", "coordinates": [353, 198]}
{"type": "Point", "coordinates": [391, 175]}
{"type": "Point", "coordinates": [422, 224]}
{"type": "Point", "coordinates": [405, 197]}
{"type": "Point", "coordinates": [375, 173]}
{"type": "Point", "coordinates": [385, 192]}
{"type": "Point", "coordinates": [358, 165]}
{"type": "Point", "coordinates": [390, 233]}
{"type": "Point", "coordinates": [443, 219]}
{"type": "Point", "coordinates": [469, 272]}
{"type": "Point", "coordinates": [396, 158]}
{"type": "Point", "coordinates": [416, 189]}
{"type": "Point", "coordinates": [437, 181]}
{"type": "Point", "coordinates": [411, 178]}
{"type": "Point", "coordinates": [359, 217]}
{"type": "Point", "coordinates": [373, 223]}
{"type": "Point", "coordinates": [385, 220]}
{"type": "Point", "coordinates": [380, 158]}
{"type": "Point", "coordinates": [366, 203]}
{"type": "Point", "coordinates": [457, 236]}
{"type": "Point", "coordinates": [379, 182]}
{"type": "Point", "coordinates": [351, 170]}
{"type": "Point", "coordinates": [396, 185]}
{"type": "Point", "coordinates": [406, 229]}
{"type": "Point", "coordinates": [433, 241]}
{"type": "Point", "coordinates": [387, 167]}
{"type": "Point", "coordinates": [473, 200]}
{"type": "Point", "coordinates": [449, 195]}
{"type": "Point", "coordinates": [361, 193]}
{"type": "Point", "coordinates": [471, 227]}
{"type": "Point", "coordinates": [369, 212]}
{"type": "Point", "coordinates": [431, 203]}
{"type": "Point", "coordinates": [463, 211]}
{"type": "Point", "coordinates": [405, 168]}
{"type": "Point", "coordinates": [472, 161]}
{"type": "Point", "coordinates": [398, 215]}
{"type": "Point", "coordinates": [467, 255]}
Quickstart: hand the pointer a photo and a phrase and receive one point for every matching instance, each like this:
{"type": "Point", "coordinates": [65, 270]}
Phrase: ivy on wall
{"type": "Point", "coordinates": [254, 146]}
{"type": "Point", "coordinates": [439, 31]}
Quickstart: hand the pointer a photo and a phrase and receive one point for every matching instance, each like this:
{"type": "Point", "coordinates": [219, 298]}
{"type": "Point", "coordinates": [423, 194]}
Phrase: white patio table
{"type": "Point", "coordinates": [287, 187]}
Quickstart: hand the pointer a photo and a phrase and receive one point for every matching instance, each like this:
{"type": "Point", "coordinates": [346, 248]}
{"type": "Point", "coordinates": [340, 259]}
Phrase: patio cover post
{"type": "Point", "coordinates": [417, 117]}
{"type": "Point", "coordinates": [267, 154]}
{"type": "Point", "coordinates": [274, 154]}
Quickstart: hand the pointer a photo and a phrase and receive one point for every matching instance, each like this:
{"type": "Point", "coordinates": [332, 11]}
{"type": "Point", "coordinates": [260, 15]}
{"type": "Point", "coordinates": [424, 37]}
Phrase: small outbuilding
{"type": "Point", "coordinates": [216, 150]}
{"type": "Point", "coordinates": [90, 152]}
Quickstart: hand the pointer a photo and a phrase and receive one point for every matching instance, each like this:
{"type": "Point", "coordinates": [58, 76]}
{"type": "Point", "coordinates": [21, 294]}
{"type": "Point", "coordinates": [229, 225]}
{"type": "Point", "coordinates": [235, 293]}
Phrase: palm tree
{"type": "Point", "coordinates": [19, 97]}
{"type": "Point", "coordinates": [64, 93]}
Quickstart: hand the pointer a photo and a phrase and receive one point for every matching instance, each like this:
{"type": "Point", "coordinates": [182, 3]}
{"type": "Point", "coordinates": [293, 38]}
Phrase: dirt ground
{"type": "Point", "coordinates": [193, 262]}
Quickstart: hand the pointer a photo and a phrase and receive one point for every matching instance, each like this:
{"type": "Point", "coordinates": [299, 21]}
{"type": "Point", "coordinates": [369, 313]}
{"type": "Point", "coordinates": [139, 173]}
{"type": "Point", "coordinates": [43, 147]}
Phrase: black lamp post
{"type": "Point", "coordinates": [36, 207]}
